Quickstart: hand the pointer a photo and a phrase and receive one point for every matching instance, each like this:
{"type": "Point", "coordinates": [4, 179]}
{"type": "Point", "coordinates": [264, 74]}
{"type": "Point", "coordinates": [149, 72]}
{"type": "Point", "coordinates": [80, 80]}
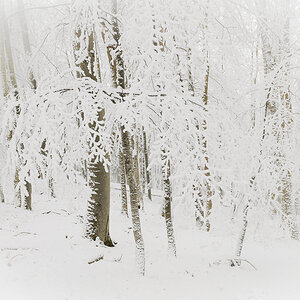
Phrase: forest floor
{"type": "Point", "coordinates": [43, 255]}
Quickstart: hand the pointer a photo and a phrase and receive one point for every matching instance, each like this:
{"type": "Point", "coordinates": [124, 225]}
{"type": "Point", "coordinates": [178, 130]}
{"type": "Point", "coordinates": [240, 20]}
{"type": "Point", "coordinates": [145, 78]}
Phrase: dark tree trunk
{"type": "Point", "coordinates": [99, 204]}
{"type": "Point", "coordinates": [28, 187]}
{"type": "Point", "coordinates": [147, 165]}
{"type": "Point", "coordinates": [99, 178]}
{"type": "Point", "coordinates": [166, 172]}
{"type": "Point", "coordinates": [1, 194]}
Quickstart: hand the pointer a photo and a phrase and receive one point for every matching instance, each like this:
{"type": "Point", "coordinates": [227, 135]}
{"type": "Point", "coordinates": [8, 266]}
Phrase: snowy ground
{"type": "Point", "coordinates": [43, 256]}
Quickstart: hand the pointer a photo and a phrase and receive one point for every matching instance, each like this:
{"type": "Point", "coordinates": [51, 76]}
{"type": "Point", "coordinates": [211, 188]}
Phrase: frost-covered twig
{"type": "Point", "coordinates": [237, 262]}
{"type": "Point", "coordinates": [24, 232]}
{"type": "Point", "coordinates": [3, 249]}
{"type": "Point", "coordinates": [234, 262]}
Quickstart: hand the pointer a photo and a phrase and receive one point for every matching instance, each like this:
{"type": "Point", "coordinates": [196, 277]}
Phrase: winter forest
{"type": "Point", "coordinates": [149, 149]}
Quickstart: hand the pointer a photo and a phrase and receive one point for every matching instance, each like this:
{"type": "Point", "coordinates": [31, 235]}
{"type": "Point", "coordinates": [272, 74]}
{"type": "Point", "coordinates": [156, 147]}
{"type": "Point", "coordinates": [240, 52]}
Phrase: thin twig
{"type": "Point", "coordinates": [236, 262]}
{"type": "Point", "coordinates": [50, 211]}
{"type": "Point", "coordinates": [24, 232]}
{"type": "Point", "coordinates": [2, 249]}
{"type": "Point", "coordinates": [118, 258]}
{"type": "Point", "coordinates": [97, 259]}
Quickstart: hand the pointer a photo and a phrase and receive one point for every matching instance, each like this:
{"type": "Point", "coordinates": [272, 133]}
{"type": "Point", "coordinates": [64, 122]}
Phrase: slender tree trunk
{"type": "Point", "coordinates": [28, 204]}
{"type": "Point", "coordinates": [17, 188]}
{"type": "Point", "coordinates": [124, 208]}
{"type": "Point", "coordinates": [166, 172]}
{"type": "Point", "coordinates": [160, 47]}
{"type": "Point", "coordinates": [268, 64]}
{"type": "Point", "coordinates": [118, 76]}
{"type": "Point", "coordinates": [147, 165]}
{"type": "Point", "coordinates": [133, 189]}
{"type": "Point", "coordinates": [143, 168]}
{"type": "Point", "coordinates": [254, 73]}
{"type": "Point", "coordinates": [135, 150]}
{"type": "Point", "coordinates": [2, 199]}
{"type": "Point", "coordinates": [241, 240]}
{"type": "Point", "coordinates": [203, 191]}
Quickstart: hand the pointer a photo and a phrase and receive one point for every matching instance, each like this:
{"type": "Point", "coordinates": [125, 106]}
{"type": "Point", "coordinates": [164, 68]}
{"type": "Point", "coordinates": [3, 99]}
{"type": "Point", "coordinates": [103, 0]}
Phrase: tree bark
{"type": "Point", "coordinates": [202, 190]}
{"type": "Point", "coordinates": [160, 47]}
{"type": "Point", "coordinates": [135, 151]}
{"type": "Point", "coordinates": [166, 173]}
{"type": "Point", "coordinates": [124, 208]}
{"type": "Point", "coordinates": [118, 77]}
{"type": "Point", "coordinates": [147, 165]}
{"type": "Point", "coordinates": [99, 204]}
{"type": "Point", "coordinates": [99, 177]}
{"type": "Point", "coordinates": [133, 189]}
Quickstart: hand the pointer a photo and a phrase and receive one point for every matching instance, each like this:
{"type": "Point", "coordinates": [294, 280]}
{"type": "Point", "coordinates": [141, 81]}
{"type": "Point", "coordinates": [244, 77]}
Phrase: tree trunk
{"type": "Point", "coordinates": [160, 46]}
{"type": "Point", "coordinates": [28, 187]}
{"type": "Point", "coordinates": [147, 165]}
{"type": "Point", "coordinates": [203, 191]}
{"type": "Point", "coordinates": [1, 194]}
{"type": "Point", "coordinates": [99, 204]}
{"type": "Point", "coordinates": [136, 222]}
{"type": "Point", "coordinates": [99, 177]}
{"type": "Point", "coordinates": [124, 208]}
{"type": "Point", "coordinates": [118, 76]}
{"type": "Point", "coordinates": [17, 189]}
{"type": "Point", "coordinates": [166, 173]}
{"type": "Point", "coordinates": [135, 150]}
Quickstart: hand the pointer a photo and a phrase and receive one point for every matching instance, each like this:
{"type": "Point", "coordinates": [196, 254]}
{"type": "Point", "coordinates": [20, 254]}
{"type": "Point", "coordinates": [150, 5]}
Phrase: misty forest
{"type": "Point", "coordinates": [150, 149]}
